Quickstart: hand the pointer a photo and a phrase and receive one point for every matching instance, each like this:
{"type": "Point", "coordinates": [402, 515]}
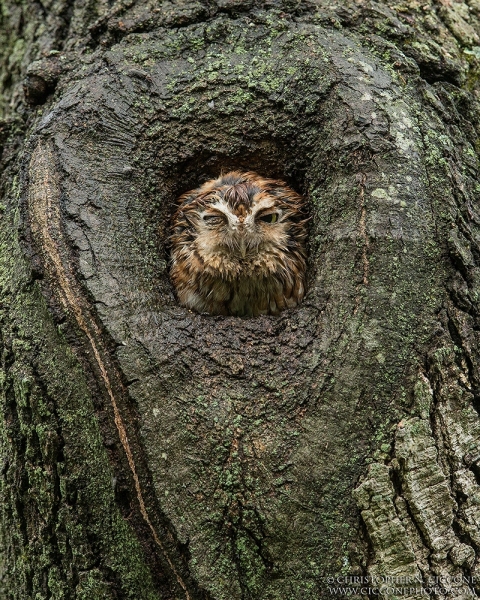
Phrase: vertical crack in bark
{"type": "Point", "coordinates": [363, 228]}
{"type": "Point", "coordinates": [364, 237]}
{"type": "Point", "coordinates": [43, 203]}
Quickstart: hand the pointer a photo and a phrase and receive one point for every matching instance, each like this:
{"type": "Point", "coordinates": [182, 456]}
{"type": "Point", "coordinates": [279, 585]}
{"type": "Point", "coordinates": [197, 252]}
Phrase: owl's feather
{"type": "Point", "coordinates": [238, 246]}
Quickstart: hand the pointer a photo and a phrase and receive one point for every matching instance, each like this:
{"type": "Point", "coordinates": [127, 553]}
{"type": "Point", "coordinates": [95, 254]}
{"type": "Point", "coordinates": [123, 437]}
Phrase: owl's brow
{"type": "Point", "coordinates": [260, 201]}
{"type": "Point", "coordinates": [213, 210]}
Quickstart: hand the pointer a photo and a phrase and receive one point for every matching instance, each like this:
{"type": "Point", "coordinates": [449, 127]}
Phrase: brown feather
{"type": "Point", "coordinates": [238, 246]}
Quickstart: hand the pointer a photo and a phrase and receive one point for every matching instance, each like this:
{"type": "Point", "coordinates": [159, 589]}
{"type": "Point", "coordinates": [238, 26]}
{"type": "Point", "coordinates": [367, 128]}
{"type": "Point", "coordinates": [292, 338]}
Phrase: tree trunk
{"type": "Point", "coordinates": [149, 452]}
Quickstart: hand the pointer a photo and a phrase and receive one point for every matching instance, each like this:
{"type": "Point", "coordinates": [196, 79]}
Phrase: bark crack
{"type": "Point", "coordinates": [45, 215]}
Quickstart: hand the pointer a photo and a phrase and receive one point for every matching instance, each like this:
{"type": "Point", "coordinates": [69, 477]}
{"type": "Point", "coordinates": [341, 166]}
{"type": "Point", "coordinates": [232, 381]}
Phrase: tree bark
{"type": "Point", "coordinates": [152, 453]}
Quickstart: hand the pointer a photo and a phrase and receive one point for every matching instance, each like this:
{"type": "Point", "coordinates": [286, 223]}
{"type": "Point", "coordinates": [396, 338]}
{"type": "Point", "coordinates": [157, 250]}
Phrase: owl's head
{"type": "Point", "coordinates": [239, 216]}
{"type": "Point", "coordinates": [238, 227]}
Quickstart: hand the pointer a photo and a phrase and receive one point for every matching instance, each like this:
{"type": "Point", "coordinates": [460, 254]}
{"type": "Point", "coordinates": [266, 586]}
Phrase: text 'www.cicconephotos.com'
{"type": "Point", "coordinates": [398, 592]}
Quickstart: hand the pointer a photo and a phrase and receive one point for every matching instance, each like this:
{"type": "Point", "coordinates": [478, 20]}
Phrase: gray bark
{"type": "Point", "coordinates": [150, 452]}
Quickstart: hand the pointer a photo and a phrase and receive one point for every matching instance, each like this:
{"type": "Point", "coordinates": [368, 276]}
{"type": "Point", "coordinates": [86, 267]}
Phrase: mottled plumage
{"type": "Point", "coordinates": [238, 246]}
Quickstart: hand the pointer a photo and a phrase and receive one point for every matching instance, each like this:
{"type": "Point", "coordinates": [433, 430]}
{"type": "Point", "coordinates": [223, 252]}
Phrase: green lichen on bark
{"type": "Point", "coordinates": [63, 534]}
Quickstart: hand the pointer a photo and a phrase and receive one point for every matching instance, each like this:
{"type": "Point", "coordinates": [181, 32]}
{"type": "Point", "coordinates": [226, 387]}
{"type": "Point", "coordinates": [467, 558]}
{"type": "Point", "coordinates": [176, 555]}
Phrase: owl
{"type": "Point", "coordinates": [238, 246]}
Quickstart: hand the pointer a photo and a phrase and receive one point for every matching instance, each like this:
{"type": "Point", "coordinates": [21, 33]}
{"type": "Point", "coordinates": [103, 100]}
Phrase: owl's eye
{"type": "Point", "coordinates": [213, 220]}
{"type": "Point", "coordinates": [270, 218]}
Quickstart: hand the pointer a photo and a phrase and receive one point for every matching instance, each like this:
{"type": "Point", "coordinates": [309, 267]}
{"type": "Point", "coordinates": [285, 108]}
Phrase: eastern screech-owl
{"type": "Point", "coordinates": [238, 246]}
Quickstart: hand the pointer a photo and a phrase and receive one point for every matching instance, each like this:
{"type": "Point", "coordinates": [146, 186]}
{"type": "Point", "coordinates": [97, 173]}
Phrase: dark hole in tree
{"type": "Point", "coordinates": [267, 159]}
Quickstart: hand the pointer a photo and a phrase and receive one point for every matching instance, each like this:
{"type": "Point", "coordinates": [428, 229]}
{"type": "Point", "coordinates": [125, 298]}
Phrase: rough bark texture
{"type": "Point", "coordinates": [150, 452]}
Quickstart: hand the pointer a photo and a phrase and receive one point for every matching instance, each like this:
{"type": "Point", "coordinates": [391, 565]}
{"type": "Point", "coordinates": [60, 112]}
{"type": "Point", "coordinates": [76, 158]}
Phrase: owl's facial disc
{"type": "Point", "coordinates": [238, 246]}
{"type": "Point", "coordinates": [241, 231]}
